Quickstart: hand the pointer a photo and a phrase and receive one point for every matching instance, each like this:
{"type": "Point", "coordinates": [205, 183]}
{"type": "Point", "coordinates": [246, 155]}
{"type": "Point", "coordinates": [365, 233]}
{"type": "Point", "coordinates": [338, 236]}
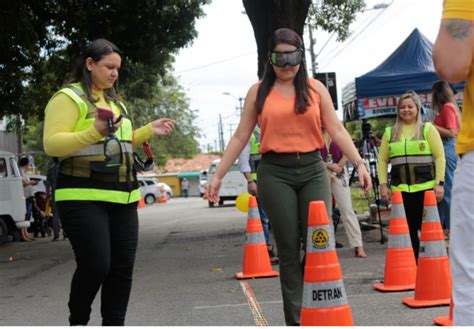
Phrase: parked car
{"type": "Point", "coordinates": [167, 188]}
{"type": "Point", "coordinates": [150, 188]}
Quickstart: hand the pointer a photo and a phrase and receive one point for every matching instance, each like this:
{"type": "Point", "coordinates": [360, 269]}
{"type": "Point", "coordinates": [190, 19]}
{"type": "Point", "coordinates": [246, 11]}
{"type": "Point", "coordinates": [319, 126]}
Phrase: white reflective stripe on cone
{"type": "Point", "coordinates": [253, 213]}
{"type": "Point", "coordinates": [430, 249]}
{"type": "Point", "coordinates": [398, 211]}
{"type": "Point", "coordinates": [254, 238]}
{"type": "Point", "coordinates": [321, 295]}
{"type": "Point", "coordinates": [399, 241]}
{"type": "Point", "coordinates": [430, 214]}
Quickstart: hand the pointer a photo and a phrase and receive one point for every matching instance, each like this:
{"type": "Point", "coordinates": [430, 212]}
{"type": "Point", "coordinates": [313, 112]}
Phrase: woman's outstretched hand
{"type": "Point", "coordinates": [212, 190]}
{"type": "Point", "coordinates": [162, 127]}
{"type": "Point", "coordinates": [364, 179]}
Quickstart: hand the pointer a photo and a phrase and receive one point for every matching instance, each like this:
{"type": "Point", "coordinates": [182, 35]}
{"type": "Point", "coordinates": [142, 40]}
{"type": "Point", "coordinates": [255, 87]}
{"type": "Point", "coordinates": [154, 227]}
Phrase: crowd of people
{"type": "Point", "coordinates": [40, 207]}
{"type": "Point", "coordinates": [289, 137]}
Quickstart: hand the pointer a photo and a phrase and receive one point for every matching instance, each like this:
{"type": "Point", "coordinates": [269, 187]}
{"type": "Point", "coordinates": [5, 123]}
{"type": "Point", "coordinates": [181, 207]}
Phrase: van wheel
{"type": "Point", "coordinates": [14, 235]}
{"type": "Point", "coordinates": [211, 204]}
{"type": "Point", "coordinates": [149, 199]}
{"type": "Point", "coordinates": [3, 232]}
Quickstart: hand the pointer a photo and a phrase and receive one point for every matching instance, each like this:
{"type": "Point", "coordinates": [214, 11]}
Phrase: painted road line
{"type": "Point", "coordinates": [235, 305]}
{"type": "Point", "coordinates": [258, 316]}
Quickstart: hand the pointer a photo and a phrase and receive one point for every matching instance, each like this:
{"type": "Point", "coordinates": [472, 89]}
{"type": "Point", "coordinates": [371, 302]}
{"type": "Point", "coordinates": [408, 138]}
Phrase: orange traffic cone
{"type": "Point", "coordinates": [400, 264]}
{"type": "Point", "coordinates": [162, 198]}
{"type": "Point", "coordinates": [256, 262]}
{"type": "Point", "coordinates": [445, 320]}
{"type": "Point", "coordinates": [141, 203]}
{"type": "Point", "coordinates": [324, 295]}
{"type": "Point", "coordinates": [433, 278]}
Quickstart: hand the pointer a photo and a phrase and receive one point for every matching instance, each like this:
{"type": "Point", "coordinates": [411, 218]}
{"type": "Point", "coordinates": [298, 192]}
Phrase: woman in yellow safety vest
{"type": "Point", "coordinates": [88, 129]}
{"type": "Point", "coordinates": [415, 151]}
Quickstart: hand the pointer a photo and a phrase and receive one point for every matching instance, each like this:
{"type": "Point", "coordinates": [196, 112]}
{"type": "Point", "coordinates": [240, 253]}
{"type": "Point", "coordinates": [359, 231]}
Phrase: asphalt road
{"type": "Point", "coordinates": [187, 257]}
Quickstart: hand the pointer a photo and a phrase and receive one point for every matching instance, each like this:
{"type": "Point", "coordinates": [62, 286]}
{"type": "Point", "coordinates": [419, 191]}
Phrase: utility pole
{"type": "Point", "coordinates": [221, 134]}
{"type": "Point", "coordinates": [311, 48]}
{"type": "Point", "coordinates": [241, 105]}
{"type": "Point", "coordinates": [239, 99]}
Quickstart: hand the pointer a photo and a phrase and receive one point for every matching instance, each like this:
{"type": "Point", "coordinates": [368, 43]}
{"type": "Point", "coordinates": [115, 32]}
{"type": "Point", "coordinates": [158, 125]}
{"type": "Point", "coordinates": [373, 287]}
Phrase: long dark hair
{"type": "Point", "coordinates": [96, 50]}
{"type": "Point", "coordinates": [300, 82]}
{"type": "Point", "coordinates": [442, 93]}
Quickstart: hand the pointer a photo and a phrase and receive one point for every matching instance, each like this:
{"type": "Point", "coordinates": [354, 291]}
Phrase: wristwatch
{"type": "Point", "coordinates": [440, 183]}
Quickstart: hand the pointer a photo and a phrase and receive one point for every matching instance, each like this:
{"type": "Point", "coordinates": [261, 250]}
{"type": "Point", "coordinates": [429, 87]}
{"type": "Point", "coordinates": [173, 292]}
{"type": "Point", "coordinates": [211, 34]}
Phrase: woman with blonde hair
{"type": "Point", "coordinates": [447, 118]}
{"type": "Point", "coordinates": [415, 151]}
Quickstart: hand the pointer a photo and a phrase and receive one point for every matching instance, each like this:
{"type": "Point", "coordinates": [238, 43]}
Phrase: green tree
{"type": "Point", "coordinates": [268, 15]}
{"type": "Point", "coordinates": [44, 38]}
{"type": "Point", "coordinates": [334, 16]}
{"type": "Point", "coordinates": [167, 99]}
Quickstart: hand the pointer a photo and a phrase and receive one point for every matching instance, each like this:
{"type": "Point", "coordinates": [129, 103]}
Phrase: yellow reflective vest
{"type": "Point", "coordinates": [84, 175]}
{"type": "Point", "coordinates": [255, 155]}
{"type": "Point", "coordinates": [413, 166]}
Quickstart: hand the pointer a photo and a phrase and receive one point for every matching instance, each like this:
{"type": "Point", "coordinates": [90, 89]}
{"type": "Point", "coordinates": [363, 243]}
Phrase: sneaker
{"type": "Point", "coordinates": [339, 245]}
{"type": "Point", "coordinates": [56, 237]}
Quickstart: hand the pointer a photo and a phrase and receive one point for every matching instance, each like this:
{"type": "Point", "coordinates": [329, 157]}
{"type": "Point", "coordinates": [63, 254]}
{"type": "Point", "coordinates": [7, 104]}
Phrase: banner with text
{"type": "Point", "coordinates": [387, 105]}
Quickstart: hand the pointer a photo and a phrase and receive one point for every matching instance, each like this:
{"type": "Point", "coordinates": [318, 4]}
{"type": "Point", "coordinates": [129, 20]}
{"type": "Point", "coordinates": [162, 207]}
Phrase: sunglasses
{"type": "Point", "coordinates": [112, 151]}
{"type": "Point", "coordinates": [283, 58]}
{"type": "Point", "coordinates": [112, 147]}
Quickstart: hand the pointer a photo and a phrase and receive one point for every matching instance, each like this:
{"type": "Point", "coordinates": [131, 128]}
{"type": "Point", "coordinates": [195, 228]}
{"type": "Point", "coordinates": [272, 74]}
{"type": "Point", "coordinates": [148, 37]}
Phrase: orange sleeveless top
{"type": "Point", "coordinates": [285, 131]}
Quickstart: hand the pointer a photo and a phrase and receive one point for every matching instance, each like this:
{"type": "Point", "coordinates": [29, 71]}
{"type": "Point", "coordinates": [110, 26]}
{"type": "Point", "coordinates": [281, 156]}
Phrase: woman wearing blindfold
{"type": "Point", "coordinates": [88, 129]}
{"type": "Point", "coordinates": [291, 110]}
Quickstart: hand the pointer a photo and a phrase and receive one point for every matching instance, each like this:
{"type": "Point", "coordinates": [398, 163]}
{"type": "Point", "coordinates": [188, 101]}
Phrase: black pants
{"type": "Point", "coordinates": [413, 203]}
{"type": "Point", "coordinates": [104, 237]}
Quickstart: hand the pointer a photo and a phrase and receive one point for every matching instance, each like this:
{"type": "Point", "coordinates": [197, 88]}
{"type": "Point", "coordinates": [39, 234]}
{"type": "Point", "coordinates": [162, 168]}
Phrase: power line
{"type": "Point", "coordinates": [357, 35]}
{"type": "Point", "coordinates": [341, 44]}
{"type": "Point", "coordinates": [215, 63]}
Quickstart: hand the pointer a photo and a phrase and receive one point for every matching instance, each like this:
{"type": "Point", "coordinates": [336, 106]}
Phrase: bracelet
{"type": "Point", "coordinates": [359, 162]}
{"type": "Point", "coordinates": [251, 181]}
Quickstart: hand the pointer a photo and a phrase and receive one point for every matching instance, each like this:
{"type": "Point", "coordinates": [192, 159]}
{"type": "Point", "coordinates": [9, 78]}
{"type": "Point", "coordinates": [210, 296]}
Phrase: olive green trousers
{"type": "Point", "coordinates": [287, 183]}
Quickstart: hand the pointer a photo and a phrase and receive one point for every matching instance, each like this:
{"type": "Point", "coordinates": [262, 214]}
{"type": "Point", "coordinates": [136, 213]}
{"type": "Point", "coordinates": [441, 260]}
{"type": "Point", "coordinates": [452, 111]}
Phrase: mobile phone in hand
{"type": "Point", "coordinates": [104, 114]}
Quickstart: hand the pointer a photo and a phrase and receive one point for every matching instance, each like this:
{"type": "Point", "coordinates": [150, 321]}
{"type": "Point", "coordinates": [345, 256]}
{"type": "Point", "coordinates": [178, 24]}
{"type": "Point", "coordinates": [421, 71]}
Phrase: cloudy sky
{"type": "Point", "coordinates": [223, 59]}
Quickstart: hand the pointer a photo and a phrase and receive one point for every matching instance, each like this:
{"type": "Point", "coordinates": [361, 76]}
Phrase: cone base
{"type": "Point", "coordinates": [443, 321]}
{"type": "Point", "coordinates": [387, 288]}
{"type": "Point", "coordinates": [331, 316]}
{"type": "Point", "coordinates": [241, 275]}
{"type": "Point", "coordinates": [412, 302]}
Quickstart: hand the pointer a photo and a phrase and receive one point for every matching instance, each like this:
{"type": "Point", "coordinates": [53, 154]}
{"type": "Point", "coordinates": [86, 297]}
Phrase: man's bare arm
{"type": "Point", "coordinates": [453, 49]}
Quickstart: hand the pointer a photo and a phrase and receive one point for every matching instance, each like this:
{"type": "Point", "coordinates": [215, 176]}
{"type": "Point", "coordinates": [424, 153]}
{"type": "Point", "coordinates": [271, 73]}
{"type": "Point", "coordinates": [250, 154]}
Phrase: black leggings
{"type": "Point", "coordinates": [413, 203]}
{"type": "Point", "coordinates": [104, 237]}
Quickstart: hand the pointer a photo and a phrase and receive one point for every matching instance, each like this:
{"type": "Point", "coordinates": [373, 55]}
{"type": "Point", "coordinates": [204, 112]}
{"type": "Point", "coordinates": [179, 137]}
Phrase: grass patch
{"type": "Point", "coordinates": [360, 203]}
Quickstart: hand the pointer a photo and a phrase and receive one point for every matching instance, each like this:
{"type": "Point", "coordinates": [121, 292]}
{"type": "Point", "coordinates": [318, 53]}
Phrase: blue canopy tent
{"type": "Point", "coordinates": [409, 67]}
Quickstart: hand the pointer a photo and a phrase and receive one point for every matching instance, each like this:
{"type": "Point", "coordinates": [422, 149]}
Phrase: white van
{"type": "Point", "coordinates": [12, 199]}
{"type": "Point", "coordinates": [233, 183]}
